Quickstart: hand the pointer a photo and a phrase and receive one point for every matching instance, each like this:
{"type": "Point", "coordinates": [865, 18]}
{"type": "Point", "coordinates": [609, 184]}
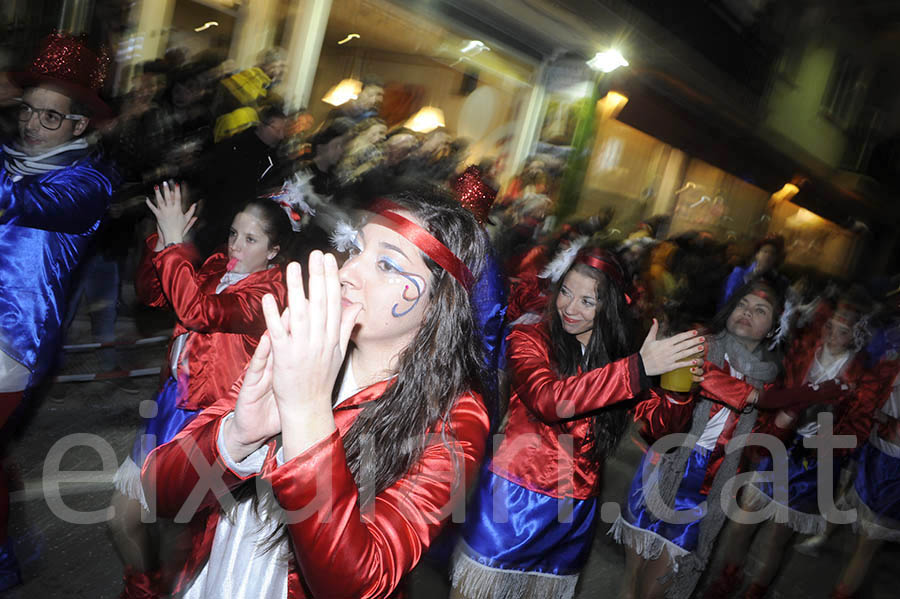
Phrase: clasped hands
{"type": "Point", "coordinates": [288, 383]}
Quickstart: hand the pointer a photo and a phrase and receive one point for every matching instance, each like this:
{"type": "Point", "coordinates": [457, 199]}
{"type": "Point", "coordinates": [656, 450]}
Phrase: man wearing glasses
{"type": "Point", "coordinates": [54, 191]}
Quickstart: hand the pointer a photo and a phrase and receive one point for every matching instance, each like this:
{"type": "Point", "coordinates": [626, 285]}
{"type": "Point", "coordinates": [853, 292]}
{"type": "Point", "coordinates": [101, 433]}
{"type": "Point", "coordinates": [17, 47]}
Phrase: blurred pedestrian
{"type": "Point", "coordinates": [54, 191]}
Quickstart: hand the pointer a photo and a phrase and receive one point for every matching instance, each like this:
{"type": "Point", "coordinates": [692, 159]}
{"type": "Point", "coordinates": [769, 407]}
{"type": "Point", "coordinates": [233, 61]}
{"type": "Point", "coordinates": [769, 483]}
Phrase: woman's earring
{"type": "Point", "coordinates": [770, 334]}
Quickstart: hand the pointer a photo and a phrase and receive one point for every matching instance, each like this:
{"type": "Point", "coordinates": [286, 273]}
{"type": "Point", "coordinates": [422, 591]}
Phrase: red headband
{"type": "Point", "coordinates": [762, 293]}
{"type": "Point", "coordinates": [425, 241]}
{"type": "Point", "coordinates": [607, 267]}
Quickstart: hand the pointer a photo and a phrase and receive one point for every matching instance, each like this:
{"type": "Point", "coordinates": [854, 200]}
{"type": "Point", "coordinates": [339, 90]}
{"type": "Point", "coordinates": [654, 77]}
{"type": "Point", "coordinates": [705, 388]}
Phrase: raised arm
{"type": "Point", "coordinates": [236, 311]}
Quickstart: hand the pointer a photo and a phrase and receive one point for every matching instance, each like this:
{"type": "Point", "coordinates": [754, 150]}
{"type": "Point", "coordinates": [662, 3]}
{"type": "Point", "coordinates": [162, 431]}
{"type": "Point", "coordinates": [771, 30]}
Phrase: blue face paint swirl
{"type": "Point", "coordinates": [413, 279]}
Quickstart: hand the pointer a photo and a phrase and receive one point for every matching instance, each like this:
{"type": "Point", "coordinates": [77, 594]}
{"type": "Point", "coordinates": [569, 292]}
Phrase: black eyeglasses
{"type": "Point", "coordinates": [50, 119]}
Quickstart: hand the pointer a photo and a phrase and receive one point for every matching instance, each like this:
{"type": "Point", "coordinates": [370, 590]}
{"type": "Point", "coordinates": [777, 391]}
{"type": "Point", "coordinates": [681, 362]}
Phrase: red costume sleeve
{"type": "Point", "coordinates": [718, 385]}
{"type": "Point", "coordinates": [178, 464]}
{"type": "Point", "coordinates": [662, 413]}
{"type": "Point", "coordinates": [146, 280]}
{"type": "Point", "coordinates": [344, 552]}
{"type": "Point", "coordinates": [239, 312]}
{"type": "Point", "coordinates": [553, 398]}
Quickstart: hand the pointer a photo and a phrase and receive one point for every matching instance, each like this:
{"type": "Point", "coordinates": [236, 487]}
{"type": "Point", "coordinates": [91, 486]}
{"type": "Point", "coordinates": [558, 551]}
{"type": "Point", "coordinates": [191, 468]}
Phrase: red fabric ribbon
{"type": "Point", "coordinates": [607, 267]}
{"type": "Point", "coordinates": [426, 242]}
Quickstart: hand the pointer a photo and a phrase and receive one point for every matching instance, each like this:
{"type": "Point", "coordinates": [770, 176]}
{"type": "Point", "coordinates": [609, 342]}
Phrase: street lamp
{"type": "Point", "coordinates": [577, 161]}
{"type": "Point", "coordinates": [607, 61]}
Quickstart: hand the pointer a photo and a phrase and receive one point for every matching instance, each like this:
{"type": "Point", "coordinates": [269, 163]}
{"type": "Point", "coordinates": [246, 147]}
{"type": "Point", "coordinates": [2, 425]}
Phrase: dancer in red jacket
{"type": "Point", "coordinates": [673, 513]}
{"type": "Point", "coordinates": [356, 425]}
{"type": "Point", "coordinates": [826, 362]}
{"type": "Point", "coordinates": [572, 375]}
{"type": "Point", "coordinates": [219, 323]}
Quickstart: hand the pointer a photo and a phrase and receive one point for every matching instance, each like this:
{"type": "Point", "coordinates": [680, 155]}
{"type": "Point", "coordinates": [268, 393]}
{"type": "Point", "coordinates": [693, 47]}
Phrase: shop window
{"type": "Point", "coordinates": [845, 91]}
{"type": "Point", "coordinates": [609, 155]}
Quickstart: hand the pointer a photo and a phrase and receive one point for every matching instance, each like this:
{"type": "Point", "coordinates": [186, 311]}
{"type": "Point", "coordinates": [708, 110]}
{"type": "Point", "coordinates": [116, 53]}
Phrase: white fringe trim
{"type": "Point", "coordinates": [127, 481]}
{"type": "Point", "coordinates": [871, 524]}
{"type": "Point", "coordinates": [645, 543]}
{"type": "Point", "coordinates": [805, 524]}
{"type": "Point", "coordinates": [476, 581]}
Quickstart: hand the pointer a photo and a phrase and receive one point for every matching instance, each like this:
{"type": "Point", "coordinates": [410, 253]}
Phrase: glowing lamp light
{"type": "Point", "coordinates": [343, 92]}
{"type": "Point", "coordinates": [206, 26]}
{"type": "Point", "coordinates": [427, 119]}
{"type": "Point", "coordinates": [474, 46]}
{"type": "Point", "coordinates": [607, 61]}
{"type": "Point", "coordinates": [611, 105]}
{"type": "Point", "coordinates": [785, 193]}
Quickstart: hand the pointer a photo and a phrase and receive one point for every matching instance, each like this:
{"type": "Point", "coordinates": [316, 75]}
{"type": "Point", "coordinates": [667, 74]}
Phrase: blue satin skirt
{"type": "Point", "coordinates": [163, 427]}
{"type": "Point", "coordinates": [878, 482]}
{"type": "Point", "coordinates": [688, 498]}
{"type": "Point", "coordinates": [513, 528]}
{"type": "Point", "coordinates": [803, 473]}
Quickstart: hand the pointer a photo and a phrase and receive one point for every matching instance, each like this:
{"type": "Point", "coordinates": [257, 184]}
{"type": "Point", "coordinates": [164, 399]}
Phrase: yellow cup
{"type": "Point", "coordinates": [679, 380]}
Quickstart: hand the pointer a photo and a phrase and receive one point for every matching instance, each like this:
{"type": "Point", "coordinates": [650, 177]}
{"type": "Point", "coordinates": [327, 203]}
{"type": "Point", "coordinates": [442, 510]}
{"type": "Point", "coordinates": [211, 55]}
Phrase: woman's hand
{"type": "Point", "coordinates": [308, 348]}
{"type": "Point", "coordinates": [665, 355]}
{"type": "Point", "coordinates": [697, 374]}
{"type": "Point", "coordinates": [171, 222]}
{"type": "Point", "coordinates": [256, 418]}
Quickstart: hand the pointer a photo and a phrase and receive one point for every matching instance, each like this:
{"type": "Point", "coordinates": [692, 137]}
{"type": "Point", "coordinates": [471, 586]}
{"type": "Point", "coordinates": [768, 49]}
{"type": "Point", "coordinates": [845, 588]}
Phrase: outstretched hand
{"type": "Point", "coordinates": [664, 355]}
{"type": "Point", "coordinates": [172, 223]}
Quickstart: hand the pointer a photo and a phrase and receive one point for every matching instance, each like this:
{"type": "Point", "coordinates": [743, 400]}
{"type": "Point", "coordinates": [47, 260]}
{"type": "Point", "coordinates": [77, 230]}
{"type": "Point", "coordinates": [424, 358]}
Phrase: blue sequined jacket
{"type": "Point", "coordinates": [46, 224]}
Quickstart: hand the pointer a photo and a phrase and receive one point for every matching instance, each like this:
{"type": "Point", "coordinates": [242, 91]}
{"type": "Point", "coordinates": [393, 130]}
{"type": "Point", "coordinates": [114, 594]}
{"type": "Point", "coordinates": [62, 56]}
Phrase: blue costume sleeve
{"type": "Point", "coordinates": [489, 303]}
{"type": "Point", "coordinates": [732, 283]}
{"type": "Point", "coordinates": [70, 200]}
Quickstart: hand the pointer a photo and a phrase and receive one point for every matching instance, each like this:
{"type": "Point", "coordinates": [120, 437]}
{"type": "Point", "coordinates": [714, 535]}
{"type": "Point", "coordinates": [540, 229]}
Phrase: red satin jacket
{"type": "Point", "coordinates": [338, 551]}
{"type": "Point", "coordinates": [225, 328]}
{"type": "Point", "coordinates": [856, 407]}
{"type": "Point", "coordinates": [549, 433]}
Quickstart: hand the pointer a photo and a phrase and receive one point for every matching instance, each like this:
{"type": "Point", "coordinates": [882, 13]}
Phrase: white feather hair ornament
{"type": "Point", "coordinates": [784, 324]}
{"type": "Point", "coordinates": [563, 260]}
{"type": "Point", "coordinates": [344, 236]}
{"type": "Point", "coordinates": [807, 311]}
{"type": "Point", "coordinates": [862, 332]}
{"type": "Point", "coordinates": [298, 198]}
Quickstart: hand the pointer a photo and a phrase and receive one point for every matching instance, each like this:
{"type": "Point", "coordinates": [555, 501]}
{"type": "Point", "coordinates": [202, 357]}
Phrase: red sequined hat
{"type": "Point", "coordinates": [66, 62]}
{"type": "Point", "coordinates": [474, 194]}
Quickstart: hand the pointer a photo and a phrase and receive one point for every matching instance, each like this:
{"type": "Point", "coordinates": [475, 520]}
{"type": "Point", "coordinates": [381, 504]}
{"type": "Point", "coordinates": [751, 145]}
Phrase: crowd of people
{"type": "Point", "coordinates": [356, 316]}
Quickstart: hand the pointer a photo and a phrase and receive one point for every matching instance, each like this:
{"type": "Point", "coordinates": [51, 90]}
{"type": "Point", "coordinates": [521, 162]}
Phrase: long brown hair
{"type": "Point", "coordinates": [444, 360]}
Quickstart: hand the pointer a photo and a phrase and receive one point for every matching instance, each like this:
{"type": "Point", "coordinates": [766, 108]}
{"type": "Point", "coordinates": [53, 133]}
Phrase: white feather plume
{"type": "Point", "coordinates": [784, 324]}
{"type": "Point", "coordinates": [807, 311]}
{"type": "Point", "coordinates": [563, 260]}
{"type": "Point", "coordinates": [298, 197]}
{"type": "Point", "coordinates": [344, 236]}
